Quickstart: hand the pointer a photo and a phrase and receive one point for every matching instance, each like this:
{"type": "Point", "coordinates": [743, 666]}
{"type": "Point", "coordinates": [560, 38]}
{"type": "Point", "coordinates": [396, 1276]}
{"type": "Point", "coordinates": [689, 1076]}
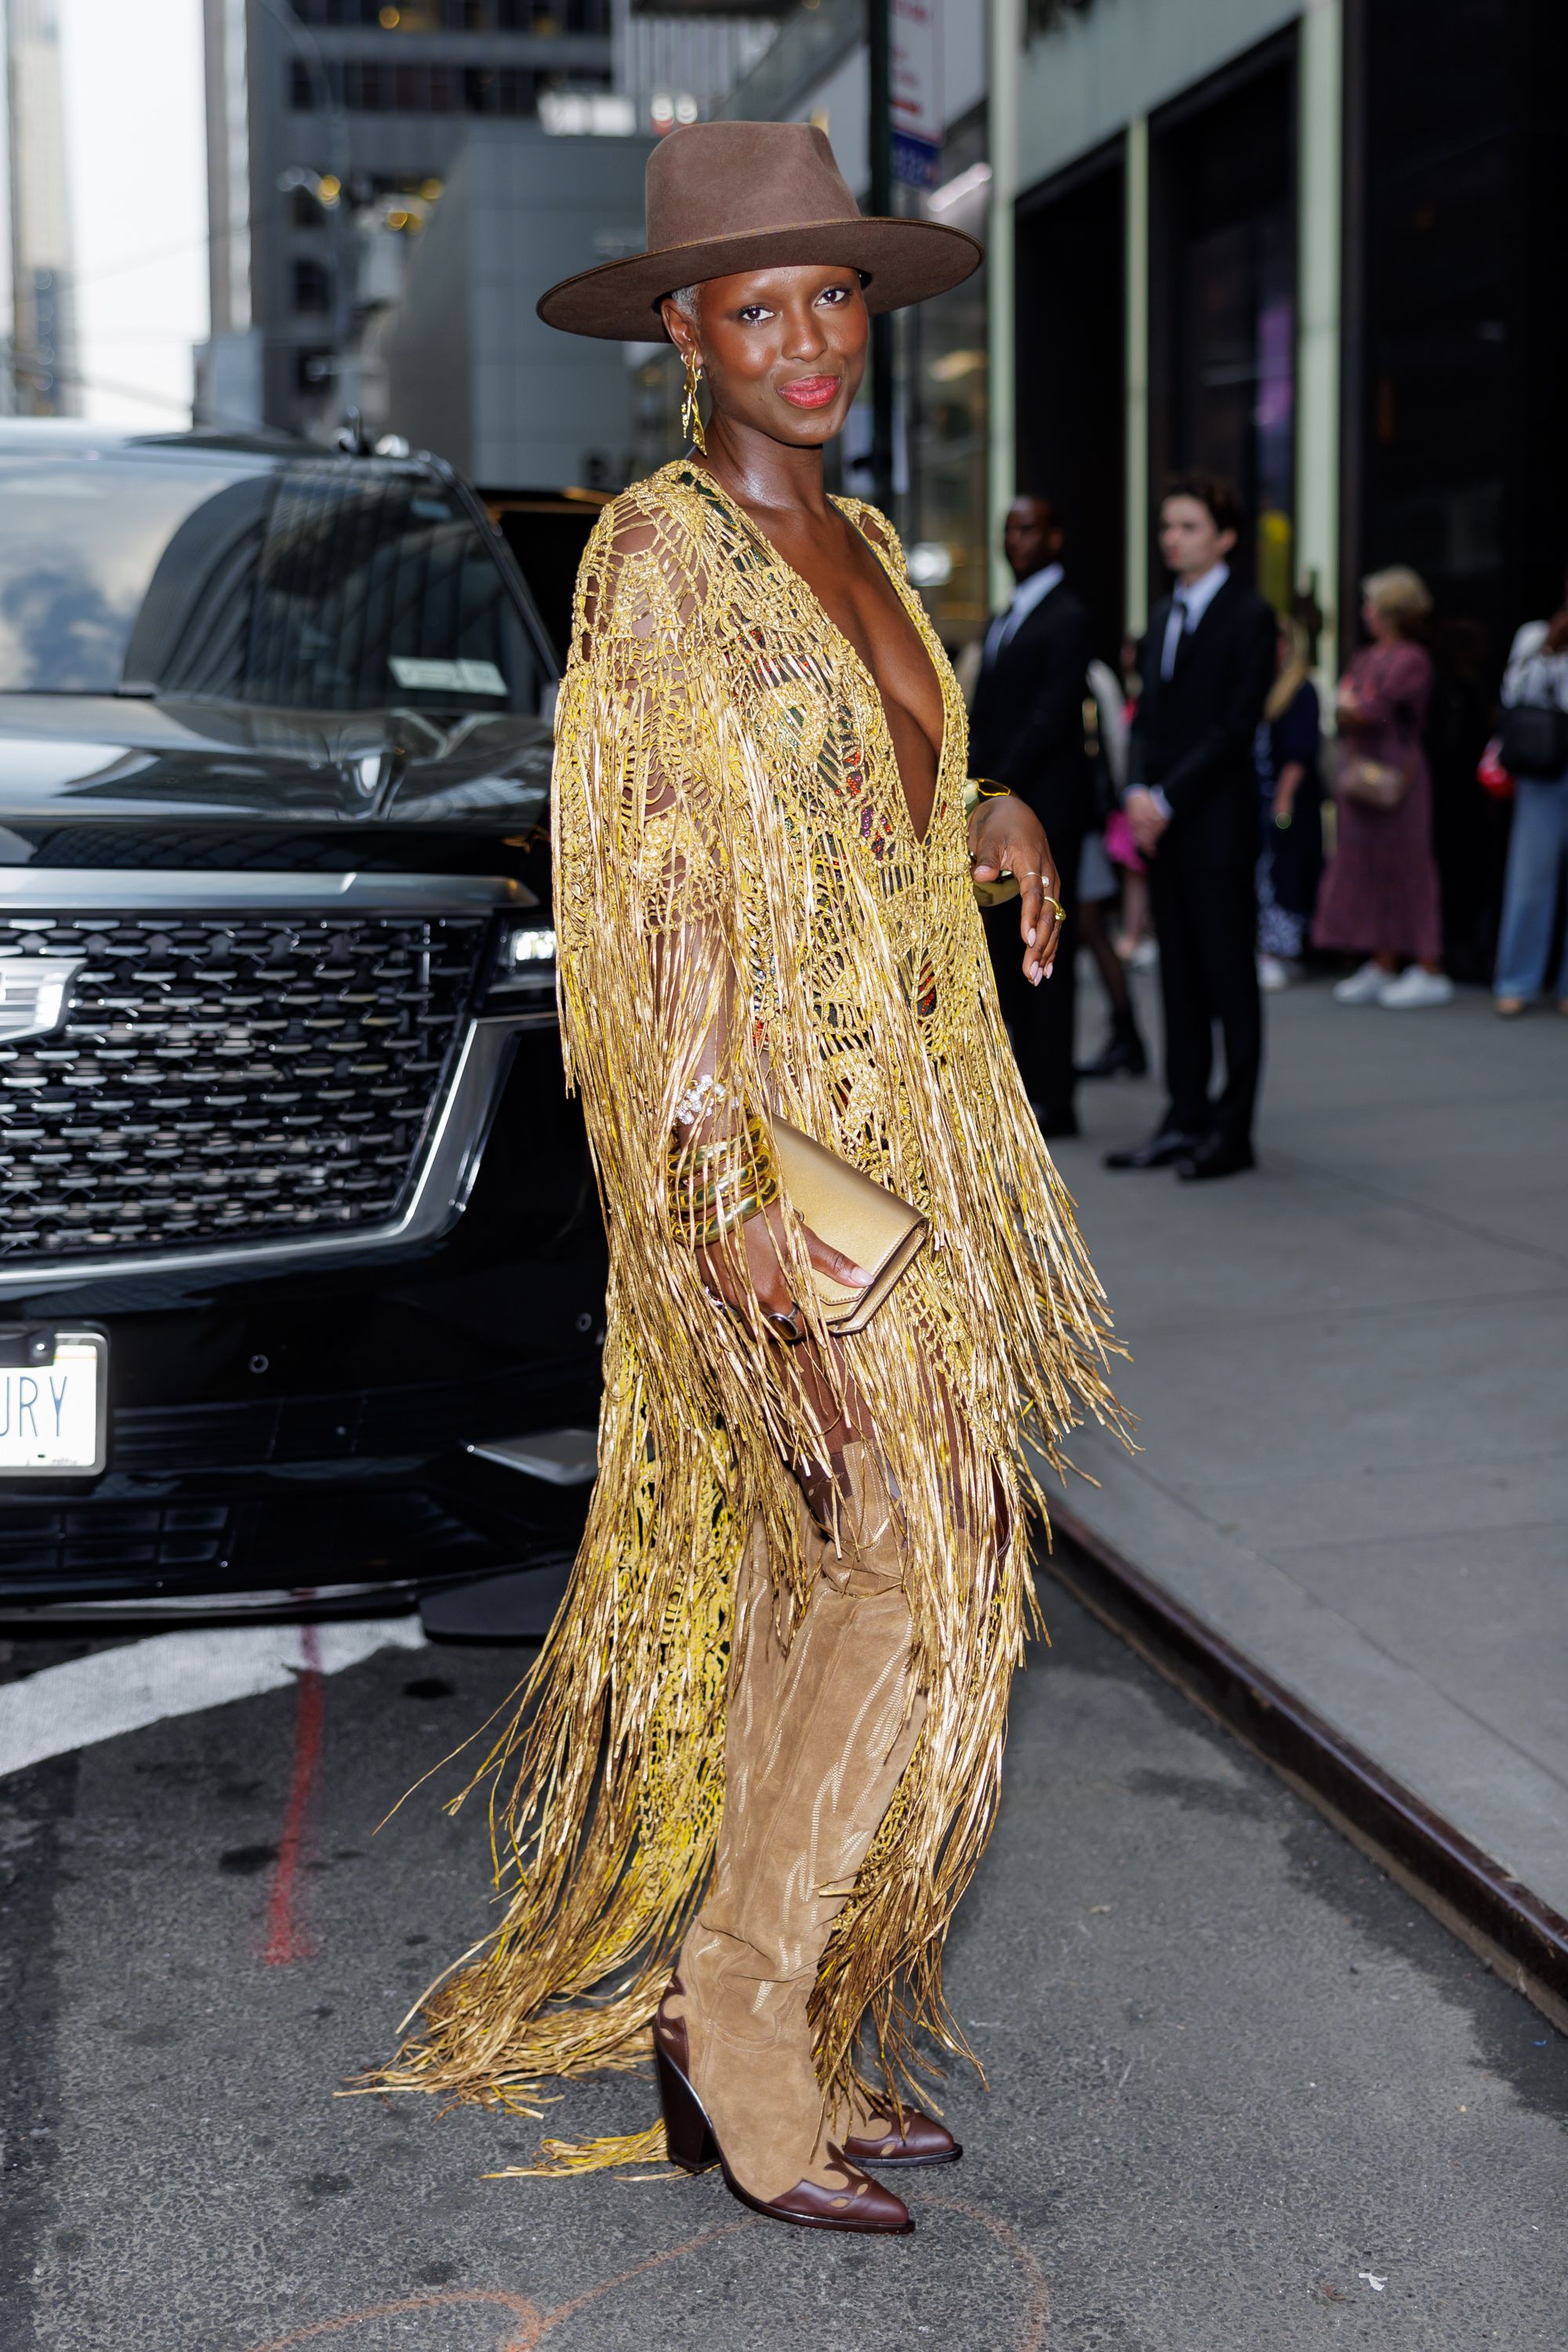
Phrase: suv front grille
{"type": "Point", "coordinates": [227, 1078]}
{"type": "Point", "coordinates": [65, 1539]}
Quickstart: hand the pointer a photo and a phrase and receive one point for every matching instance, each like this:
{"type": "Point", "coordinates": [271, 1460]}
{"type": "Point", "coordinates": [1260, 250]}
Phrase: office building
{"type": "Point", "coordinates": [322, 111]}
{"type": "Point", "coordinates": [1304, 247]}
{"type": "Point", "coordinates": [38, 357]}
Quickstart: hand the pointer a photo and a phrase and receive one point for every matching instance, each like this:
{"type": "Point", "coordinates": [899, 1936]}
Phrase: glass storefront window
{"type": "Point", "coordinates": [1223, 307]}
{"type": "Point", "coordinates": [942, 373]}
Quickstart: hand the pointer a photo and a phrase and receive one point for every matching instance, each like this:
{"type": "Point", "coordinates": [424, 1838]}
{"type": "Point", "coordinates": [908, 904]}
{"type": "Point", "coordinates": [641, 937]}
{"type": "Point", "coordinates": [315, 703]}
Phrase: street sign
{"type": "Point", "coordinates": [917, 91]}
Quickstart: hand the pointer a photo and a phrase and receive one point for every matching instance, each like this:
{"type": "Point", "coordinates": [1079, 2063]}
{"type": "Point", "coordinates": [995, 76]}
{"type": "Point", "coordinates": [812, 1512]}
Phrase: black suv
{"type": "Point", "coordinates": [300, 1262]}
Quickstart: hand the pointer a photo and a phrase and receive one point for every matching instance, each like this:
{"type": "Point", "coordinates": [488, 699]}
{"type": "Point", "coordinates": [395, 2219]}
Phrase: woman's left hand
{"type": "Point", "coordinates": [1005, 836]}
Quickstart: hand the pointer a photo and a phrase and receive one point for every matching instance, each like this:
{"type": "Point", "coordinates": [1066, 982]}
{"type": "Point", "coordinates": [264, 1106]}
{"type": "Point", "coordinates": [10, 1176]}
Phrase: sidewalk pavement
{"type": "Point", "coordinates": [1350, 1374]}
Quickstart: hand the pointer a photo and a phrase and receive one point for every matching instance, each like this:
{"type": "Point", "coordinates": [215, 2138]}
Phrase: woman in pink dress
{"type": "Point", "coordinates": [1380, 897]}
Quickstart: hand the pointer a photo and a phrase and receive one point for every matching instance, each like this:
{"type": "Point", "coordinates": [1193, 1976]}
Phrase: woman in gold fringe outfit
{"type": "Point", "coordinates": [759, 1757]}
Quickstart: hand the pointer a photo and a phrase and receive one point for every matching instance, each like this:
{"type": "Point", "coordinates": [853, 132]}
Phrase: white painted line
{"type": "Point", "coordinates": [114, 1691]}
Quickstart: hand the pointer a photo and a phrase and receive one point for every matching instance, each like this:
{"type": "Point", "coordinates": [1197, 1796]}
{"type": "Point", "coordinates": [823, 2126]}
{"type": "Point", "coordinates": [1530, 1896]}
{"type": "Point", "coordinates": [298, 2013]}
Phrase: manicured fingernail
{"type": "Point", "coordinates": [1029, 936]}
{"type": "Point", "coordinates": [858, 1274]}
{"type": "Point", "coordinates": [1050, 968]}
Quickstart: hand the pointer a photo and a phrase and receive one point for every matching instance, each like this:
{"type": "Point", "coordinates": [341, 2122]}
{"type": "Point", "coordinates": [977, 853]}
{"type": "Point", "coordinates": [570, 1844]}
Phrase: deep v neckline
{"type": "Point", "coordinates": [920, 841]}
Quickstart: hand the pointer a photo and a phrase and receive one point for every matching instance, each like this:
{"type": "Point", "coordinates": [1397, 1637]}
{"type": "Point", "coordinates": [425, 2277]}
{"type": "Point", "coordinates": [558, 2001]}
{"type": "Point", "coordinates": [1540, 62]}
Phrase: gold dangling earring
{"type": "Point", "coordinates": [691, 414]}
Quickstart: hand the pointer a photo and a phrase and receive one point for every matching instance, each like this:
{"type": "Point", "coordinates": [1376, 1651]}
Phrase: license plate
{"type": "Point", "coordinates": [53, 1401]}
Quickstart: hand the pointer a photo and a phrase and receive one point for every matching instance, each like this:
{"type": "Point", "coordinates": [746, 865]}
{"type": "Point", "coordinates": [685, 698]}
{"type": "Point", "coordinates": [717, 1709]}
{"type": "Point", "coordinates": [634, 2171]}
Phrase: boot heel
{"type": "Point", "coordinates": [687, 2131]}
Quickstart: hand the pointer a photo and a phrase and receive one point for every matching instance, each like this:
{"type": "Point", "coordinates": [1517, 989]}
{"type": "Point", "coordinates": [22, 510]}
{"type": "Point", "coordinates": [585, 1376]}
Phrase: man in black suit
{"type": "Point", "coordinates": [1025, 731]}
{"type": "Point", "coordinates": [1207, 665]}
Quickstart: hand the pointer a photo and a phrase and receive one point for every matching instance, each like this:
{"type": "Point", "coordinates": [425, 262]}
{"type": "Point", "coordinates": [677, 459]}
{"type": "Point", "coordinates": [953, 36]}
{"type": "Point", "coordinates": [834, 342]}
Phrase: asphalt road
{"type": "Point", "coordinates": [1246, 2096]}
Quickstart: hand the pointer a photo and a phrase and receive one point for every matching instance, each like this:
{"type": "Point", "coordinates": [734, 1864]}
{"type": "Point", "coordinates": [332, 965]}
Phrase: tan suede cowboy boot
{"type": "Point", "coordinates": [817, 1740]}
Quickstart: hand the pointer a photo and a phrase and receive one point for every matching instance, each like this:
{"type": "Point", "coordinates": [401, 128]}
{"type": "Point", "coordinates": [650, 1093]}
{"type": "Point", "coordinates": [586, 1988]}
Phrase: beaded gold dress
{"type": "Point", "coordinates": [742, 906]}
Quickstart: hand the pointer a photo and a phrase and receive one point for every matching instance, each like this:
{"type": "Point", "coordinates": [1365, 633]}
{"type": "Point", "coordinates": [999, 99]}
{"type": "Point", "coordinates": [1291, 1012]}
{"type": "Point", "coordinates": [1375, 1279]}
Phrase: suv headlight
{"type": "Point", "coordinates": [525, 961]}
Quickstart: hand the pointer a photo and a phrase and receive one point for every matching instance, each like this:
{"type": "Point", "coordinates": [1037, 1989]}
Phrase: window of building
{"type": "Point", "coordinates": [374, 87]}
{"type": "Point", "coordinates": [941, 439]}
{"type": "Point", "coordinates": [1070, 369]}
{"type": "Point", "coordinates": [312, 286]}
{"type": "Point", "coordinates": [396, 17]}
{"type": "Point", "coordinates": [1436, 256]}
{"type": "Point", "coordinates": [313, 372]}
{"type": "Point", "coordinates": [353, 13]}
{"type": "Point", "coordinates": [1222, 301]}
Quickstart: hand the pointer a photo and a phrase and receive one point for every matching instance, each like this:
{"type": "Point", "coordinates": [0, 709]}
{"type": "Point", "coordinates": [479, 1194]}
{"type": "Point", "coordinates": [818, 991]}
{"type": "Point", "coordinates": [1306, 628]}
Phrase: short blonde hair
{"type": "Point", "coordinates": [1400, 595]}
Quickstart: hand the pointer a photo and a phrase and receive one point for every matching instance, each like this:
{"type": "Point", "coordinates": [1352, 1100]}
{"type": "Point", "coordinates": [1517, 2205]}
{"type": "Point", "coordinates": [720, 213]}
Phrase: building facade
{"type": "Point", "coordinates": [817, 70]}
{"type": "Point", "coordinates": [1307, 244]}
{"type": "Point", "coordinates": [1302, 246]}
{"type": "Point", "coordinates": [332, 124]}
{"type": "Point", "coordinates": [472, 371]}
{"type": "Point", "coordinates": [38, 358]}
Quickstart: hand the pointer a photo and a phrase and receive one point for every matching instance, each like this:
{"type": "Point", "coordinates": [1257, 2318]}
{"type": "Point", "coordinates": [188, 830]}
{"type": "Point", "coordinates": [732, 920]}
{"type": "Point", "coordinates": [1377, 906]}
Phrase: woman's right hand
{"type": "Point", "coordinates": [748, 1269]}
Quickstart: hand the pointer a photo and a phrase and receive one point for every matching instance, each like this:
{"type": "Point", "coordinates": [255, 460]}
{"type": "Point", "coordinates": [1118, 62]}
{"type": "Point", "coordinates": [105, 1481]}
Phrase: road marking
{"type": "Point", "coordinates": [114, 1691]}
{"type": "Point", "coordinates": [534, 2325]}
{"type": "Point", "coordinates": [285, 1939]}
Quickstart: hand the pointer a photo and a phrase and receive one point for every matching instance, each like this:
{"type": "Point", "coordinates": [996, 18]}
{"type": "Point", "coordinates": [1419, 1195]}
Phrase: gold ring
{"type": "Point", "coordinates": [1061, 912]}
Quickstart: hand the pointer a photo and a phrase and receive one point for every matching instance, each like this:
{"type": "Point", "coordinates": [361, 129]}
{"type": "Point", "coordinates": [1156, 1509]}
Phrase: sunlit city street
{"type": "Point", "coordinates": [783, 1091]}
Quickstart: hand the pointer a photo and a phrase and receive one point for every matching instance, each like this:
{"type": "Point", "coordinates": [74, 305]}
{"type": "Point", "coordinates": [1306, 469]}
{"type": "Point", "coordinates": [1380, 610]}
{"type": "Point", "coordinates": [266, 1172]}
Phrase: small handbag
{"type": "Point", "coordinates": [1535, 742]}
{"type": "Point", "coordinates": [1377, 782]}
{"type": "Point", "coordinates": [1491, 775]}
{"type": "Point", "coordinates": [853, 1214]}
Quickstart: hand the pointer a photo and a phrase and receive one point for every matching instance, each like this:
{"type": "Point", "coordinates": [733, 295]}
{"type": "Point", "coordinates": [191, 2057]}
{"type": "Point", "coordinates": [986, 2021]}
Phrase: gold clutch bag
{"type": "Point", "coordinates": [854, 1214]}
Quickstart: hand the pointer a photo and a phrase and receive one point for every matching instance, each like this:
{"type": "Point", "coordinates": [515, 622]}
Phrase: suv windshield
{"type": "Point", "coordinates": [340, 584]}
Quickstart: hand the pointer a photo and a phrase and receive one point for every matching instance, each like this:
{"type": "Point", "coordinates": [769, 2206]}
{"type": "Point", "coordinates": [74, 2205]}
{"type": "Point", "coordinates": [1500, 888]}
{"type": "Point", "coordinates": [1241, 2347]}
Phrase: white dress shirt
{"type": "Point", "coordinates": [1025, 596]}
{"type": "Point", "coordinates": [1533, 675]}
{"type": "Point", "coordinates": [1188, 606]}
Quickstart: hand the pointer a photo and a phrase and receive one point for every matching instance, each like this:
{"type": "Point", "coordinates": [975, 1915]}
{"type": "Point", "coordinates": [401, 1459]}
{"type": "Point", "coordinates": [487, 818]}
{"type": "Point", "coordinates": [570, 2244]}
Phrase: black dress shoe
{"type": "Point", "coordinates": [1159, 1151]}
{"type": "Point", "coordinates": [1055, 1124]}
{"type": "Point", "coordinates": [1123, 1055]}
{"type": "Point", "coordinates": [1217, 1155]}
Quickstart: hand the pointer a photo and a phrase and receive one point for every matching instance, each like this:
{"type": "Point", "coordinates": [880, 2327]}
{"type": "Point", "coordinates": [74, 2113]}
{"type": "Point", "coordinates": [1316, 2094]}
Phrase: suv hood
{"type": "Point", "coordinates": [78, 758]}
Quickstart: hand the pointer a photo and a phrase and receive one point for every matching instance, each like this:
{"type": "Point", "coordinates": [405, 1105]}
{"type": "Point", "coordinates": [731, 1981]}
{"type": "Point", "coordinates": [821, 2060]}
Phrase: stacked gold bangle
{"type": "Point", "coordinates": [983, 787]}
{"type": "Point", "coordinates": [716, 1185]}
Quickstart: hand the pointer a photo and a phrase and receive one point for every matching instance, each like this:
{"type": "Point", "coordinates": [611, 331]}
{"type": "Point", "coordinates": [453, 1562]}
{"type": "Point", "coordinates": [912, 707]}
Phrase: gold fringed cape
{"type": "Point", "coordinates": [742, 908]}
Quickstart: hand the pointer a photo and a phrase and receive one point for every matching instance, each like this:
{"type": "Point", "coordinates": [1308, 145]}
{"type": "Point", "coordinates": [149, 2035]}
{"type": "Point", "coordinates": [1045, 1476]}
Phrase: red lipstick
{"type": "Point", "coordinates": [810, 391]}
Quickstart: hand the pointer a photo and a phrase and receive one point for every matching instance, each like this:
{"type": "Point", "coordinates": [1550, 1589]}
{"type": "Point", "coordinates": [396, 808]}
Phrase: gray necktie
{"type": "Point", "coordinates": [1175, 629]}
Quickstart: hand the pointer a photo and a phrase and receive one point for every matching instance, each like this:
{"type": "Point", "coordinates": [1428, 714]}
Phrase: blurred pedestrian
{"type": "Point", "coordinates": [1026, 732]}
{"type": "Point", "coordinates": [1207, 664]}
{"type": "Point", "coordinates": [1469, 826]}
{"type": "Point", "coordinates": [1290, 859]}
{"type": "Point", "coordinates": [1123, 1055]}
{"type": "Point", "coordinates": [1535, 752]}
{"type": "Point", "coordinates": [1380, 897]}
{"type": "Point", "coordinates": [1135, 941]}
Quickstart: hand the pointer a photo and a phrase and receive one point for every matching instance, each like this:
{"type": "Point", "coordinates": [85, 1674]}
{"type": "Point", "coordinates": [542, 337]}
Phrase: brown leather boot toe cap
{"type": "Point", "coordinates": [922, 2141]}
{"type": "Point", "coordinates": [853, 2202]}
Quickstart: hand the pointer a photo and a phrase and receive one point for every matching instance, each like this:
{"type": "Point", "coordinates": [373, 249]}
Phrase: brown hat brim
{"type": "Point", "coordinates": [903, 261]}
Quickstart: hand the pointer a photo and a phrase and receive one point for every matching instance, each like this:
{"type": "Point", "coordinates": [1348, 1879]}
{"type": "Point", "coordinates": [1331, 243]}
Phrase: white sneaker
{"type": "Point", "coordinates": [1362, 987]}
{"type": "Point", "coordinates": [1272, 974]}
{"type": "Point", "coordinates": [1415, 987]}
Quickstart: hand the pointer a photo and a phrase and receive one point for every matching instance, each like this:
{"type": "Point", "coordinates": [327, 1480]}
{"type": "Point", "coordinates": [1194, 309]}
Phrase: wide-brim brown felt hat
{"type": "Point", "coordinates": [724, 196]}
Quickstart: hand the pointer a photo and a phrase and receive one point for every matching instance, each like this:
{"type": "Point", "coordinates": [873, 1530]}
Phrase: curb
{"type": "Point", "coordinates": [1506, 1925]}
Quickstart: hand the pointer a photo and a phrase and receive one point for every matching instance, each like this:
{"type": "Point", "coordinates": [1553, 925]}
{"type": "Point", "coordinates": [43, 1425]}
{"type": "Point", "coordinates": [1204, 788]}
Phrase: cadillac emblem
{"type": "Point", "coordinates": [33, 995]}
